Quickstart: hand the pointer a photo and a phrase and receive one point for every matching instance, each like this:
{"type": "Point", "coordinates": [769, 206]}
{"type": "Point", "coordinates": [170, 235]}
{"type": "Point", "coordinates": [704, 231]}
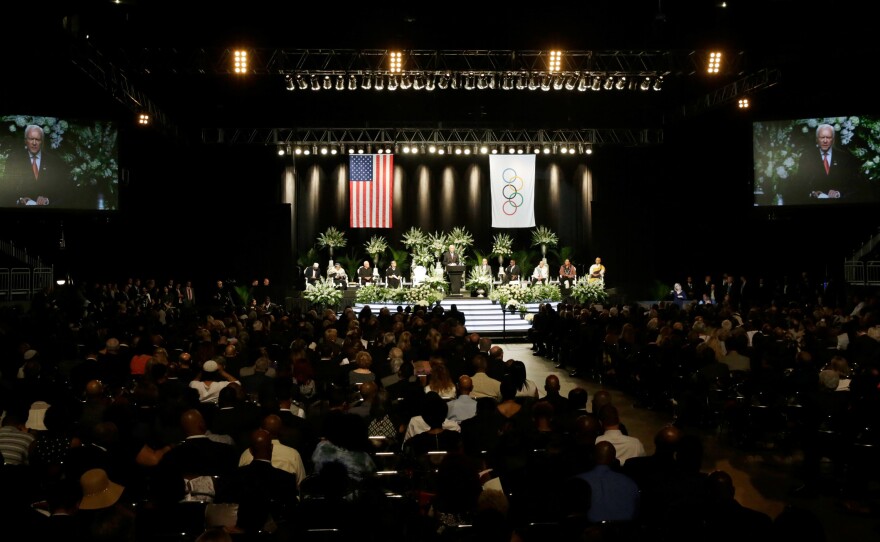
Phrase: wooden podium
{"type": "Point", "coordinates": [456, 273]}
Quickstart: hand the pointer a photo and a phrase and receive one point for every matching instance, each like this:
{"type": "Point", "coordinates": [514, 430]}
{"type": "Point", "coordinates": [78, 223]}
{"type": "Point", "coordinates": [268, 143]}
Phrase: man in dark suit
{"type": "Point", "coordinates": [365, 274]}
{"type": "Point", "coordinates": [392, 275]}
{"type": "Point", "coordinates": [35, 176]}
{"type": "Point", "coordinates": [511, 272]}
{"type": "Point", "coordinates": [826, 173]}
{"type": "Point", "coordinates": [451, 257]}
{"type": "Point", "coordinates": [312, 273]}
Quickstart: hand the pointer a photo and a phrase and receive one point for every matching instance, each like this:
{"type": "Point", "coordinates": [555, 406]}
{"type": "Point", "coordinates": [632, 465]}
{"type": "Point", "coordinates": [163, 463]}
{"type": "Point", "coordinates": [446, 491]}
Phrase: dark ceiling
{"type": "Point", "coordinates": [777, 34]}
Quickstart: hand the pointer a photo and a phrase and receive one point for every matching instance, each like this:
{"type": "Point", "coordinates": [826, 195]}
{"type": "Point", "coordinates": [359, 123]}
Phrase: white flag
{"type": "Point", "coordinates": [513, 190]}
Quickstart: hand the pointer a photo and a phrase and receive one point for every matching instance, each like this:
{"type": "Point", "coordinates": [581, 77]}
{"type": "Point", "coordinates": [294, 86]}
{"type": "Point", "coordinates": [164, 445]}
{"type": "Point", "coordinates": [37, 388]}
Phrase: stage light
{"type": "Point", "coordinates": [351, 150]}
{"type": "Point", "coordinates": [301, 82]}
{"type": "Point", "coordinates": [583, 85]}
{"type": "Point", "coordinates": [658, 83]}
{"type": "Point", "coordinates": [494, 150]}
{"type": "Point", "coordinates": [143, 119]}
{"type": "Point", "coordinates": [482, 82]}
{"type": "Point", "coordinates": [555, 63]}
{"type": "Point", "coordinates": [324, 150]}
{"type": "Point", "coordinates": [360, 150]}
{"type": "Point", "coordinates": [352, 82]}
{"type": "Point", "coordinates": [609, 83]}
{"type": "Point", "coordinates": [406, 149]}
{"type": "Point", "coordinates": [379, 83]}
{"type": "Point", "coordinates": [307, 151]}
{"type": "Point", "coordinates": [484, 149]}
{"type": "Point", "coordinates": [545, 83]}
{"type": "Point", "coordinates": [511, 150]}
{"type": "Point", "coordinates": [290, 83]}
{"type": "Point", "coordinates": [621, 83]}
{"type": "Point", "coordinates": [340, 82]}
{"type": "Point", "coordinates": [328, 84]}
{"type": "Point", "coordinates": [280, 151]}
{"type": "Point", "coordinates": [519, 150]}
{"type": "Point", "coordinates": [449, 149]}
{"type": "Point", "coordinates": [457, 150]}
{"type": "Point", "coordinates": [453, 81]}
{"type": "Point", "coordinates": [392, 82]}
{"type": "Point", "coordinates": [414, 150]}
{"type": "Point", "coordinates": [507, 82]}
{"type": "Point", "coordinates": [441, 151]}
{"type": "Point", "coordinates": [432, 149]}
{"type": "Point", "coordinates": [467, 151]}
{"type": "Point", "coordinates": [429, 83]}
{"type": "Point", "coordinates": [419, 82]}
{"type": "Point", "coordinates": [563, 150]}
{"type": "Point", "coordinates": [492, 81]}
{"type": "Point", "coordinates": [366, 82]}
{"type": "Point", "coordinates": [334, 150]}
{"type": "Point", "coordinates": [533, 82]}
{"type": "Point", "coordinates": [589, 149]}
{"type": "Point", "coordinates": [714, 62]}
{"type": "Point", "coordinates": [743, 103]}
{"type": "Point", "coordinates": [502, 149]}
{"type": "Point", "coordinates": [520, 82]}
{"type": "Point", "coordinates": [298, 150]}
{"type": "Point", "coordinates": [597, 83]}
{"type": "Point", "coordinates": [469, 82]}
{"type": "Point", "coordinates": [559, 82]}
{"type": "Point", "coordinates": [240, 61]}
{"type": "Point", "coordinates": [546, 149]}
{"type": "Point", "coordinates": [406, 82]}
{"type": "Point", "coordinates": [443, 83]}
{"type": "Point", "coordinates": [316, 83]}
{"type": "Point", "coordinates": [570, 82]}
{"type": "Point", "coordinates": [645, 84]}
{"type": "Point", "coordinates": [395, 63]}
{"type": "Point", "coordinates": [571, 149]}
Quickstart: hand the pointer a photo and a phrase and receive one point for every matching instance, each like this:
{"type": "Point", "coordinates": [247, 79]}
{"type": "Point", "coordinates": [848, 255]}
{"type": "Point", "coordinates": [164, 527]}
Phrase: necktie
{"type": "Point", "coordinates": [827, 165]}
{"type": "Point", "coordinates": [37, 168]}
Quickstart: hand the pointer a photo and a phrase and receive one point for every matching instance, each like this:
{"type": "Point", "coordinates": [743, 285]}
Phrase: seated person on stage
{"type": "Point", "coordinates": [541, 274]}
{"type": "Point", "coordinates": [484, 268]}
{"type": "Point", "coordinates": [597, 270]}
{"type": "Point", "coordinates": [365, 274]}
{"type": "Point", "coordinates": [511, 272]}
{"type": "Point", "coordinates": [567, 272]}
{"type": "Point", "coordinates": [392, 275]}
{"type": "Point", "coordinates": [340, 278]}
{"type": "Point", "coordinates": [313, 273]}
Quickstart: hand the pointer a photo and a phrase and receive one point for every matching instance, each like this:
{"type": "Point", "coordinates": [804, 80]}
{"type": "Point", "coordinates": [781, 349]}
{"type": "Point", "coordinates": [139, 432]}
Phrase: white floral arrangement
{"type": "Point", "coordinates": [506, 292]}
{"type": "Point", "coordinates": [478, 281]}
{"type": "Point", "coordinates": [461, 238]}
{"type": "Point", "coordinates": [437, 242]}
{"type": "Point", "coordinates": [376, 245]}
{"type": "Point", "coordinates": [589, 292]}
{"type": "Point", "coordinates": [502, 245]}
{"type": "Point", "coordinates": [544, 236]}
{"type": "Point", "coordinates": [545, 292]}
{"type": "Point", "coordinates": [323, 292]}
{"type": "Point", "coordinates": [372, 293]}
{"type": "Point", "coordinates": [530, 317]}
{"type": "Point", "coordinates": [423, 295]}
{"type": "Point", "coordinates": [332, 238]}
{"type": "Point", "coordinates": [413, 238]}
{"type": "Point", "coordinates": [512, 305]}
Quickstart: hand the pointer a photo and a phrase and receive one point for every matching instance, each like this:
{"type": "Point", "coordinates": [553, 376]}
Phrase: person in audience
{"type": "Point", "coordinates": [463, 407]}
{"type": "Point", "coordinates": [625, 446]}
{"type": "Point", "coordinates": [615, 496]}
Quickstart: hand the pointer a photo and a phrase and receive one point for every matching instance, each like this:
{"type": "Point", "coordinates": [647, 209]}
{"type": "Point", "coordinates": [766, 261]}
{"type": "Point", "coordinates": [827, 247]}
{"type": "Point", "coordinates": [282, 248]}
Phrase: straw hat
{"type": "Point", "coordinates": [98, 491]}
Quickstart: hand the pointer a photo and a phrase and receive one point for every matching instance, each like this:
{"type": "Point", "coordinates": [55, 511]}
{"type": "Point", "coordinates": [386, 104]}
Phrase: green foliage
{"type": "Point", "coordinates": [323, 293]}
{"type": "Point", "coordinates": [375, 247]}
{"type": "Point", "coordinates": [559, 256]}
{"type": "Point", "coordinates": [544, 236]}
{"type": "Point", "coordinates": [402, 258]}
{"type": "Point", "coordinates": [332, 238]}
{"type": "Point", "coordinates": [414, 237]}
{"type": "Point", "coordinates": [350, 262]}
{"type": "Point", "coordinates": [589, 292]}
{"type": "Point", "coordinates": [502, 245]}
{"type": "Point", "coordinates": [544, 292]}
{"type": "Point", "coordinates": [372, 293]}
{"type": "Point", "coordinates": [308, 258]}
{"type": "Point", "coordinates": [477, 280]}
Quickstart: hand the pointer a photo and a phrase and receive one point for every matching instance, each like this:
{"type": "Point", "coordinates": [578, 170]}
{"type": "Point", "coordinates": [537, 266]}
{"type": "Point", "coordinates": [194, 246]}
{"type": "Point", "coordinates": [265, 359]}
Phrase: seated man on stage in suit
{"type": "Point", "coordinates": [451, 257]}
{"type": "Point", "coordinates": [339, 276]}
{"type": "Point", "coordinates": [541, 274]}
{"type": "Point", "coordinates": [392, 275]}
{"type": "Point", "coordinates": [365, 274]}
{"type": "Point", "coordinates": [484, 268]}
{"type": "Point", "coordinates": [511, 272]}
{"type": "Point", "coordinates": [312, 273]}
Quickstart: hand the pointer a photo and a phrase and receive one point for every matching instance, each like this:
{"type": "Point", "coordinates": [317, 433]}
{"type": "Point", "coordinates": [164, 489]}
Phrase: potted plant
{"type": "Point", "coordinates": [375, 246]}
{"type": "Point", "coordinates": [588, 292]}
{"type": "Point", "coordinates": [461, 238]}
{"type": "Point", "coordinates": [544, 237]}
{"type": "Point", "coordinates": [523, 310]}
{"type": "Point", "coordinates": [332, 238]}
{"type": "Point", "coordinates": [323, 293]}
{"type": "Point", "coordinates": [437, 242]}
{"type": "Point", "coordinates": [512, 305]}
{"type": "Point", "coordinates": [502, 245]}
{"type": "Point", "coordinates": [478, 282]}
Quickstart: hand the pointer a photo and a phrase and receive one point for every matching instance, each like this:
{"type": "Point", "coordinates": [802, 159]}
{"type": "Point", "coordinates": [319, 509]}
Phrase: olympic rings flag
{"type": "Point", "coordinates": [512, 179]}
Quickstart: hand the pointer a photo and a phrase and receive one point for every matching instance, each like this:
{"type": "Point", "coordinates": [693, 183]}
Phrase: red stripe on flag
{"type": "Point", "coordinates": [370, 202]}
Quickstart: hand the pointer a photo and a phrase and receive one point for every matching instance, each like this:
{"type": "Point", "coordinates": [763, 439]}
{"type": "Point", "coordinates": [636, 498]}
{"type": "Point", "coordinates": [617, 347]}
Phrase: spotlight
{"type": "Point", "coordinates": [395, 62]}
{"type": "Point", "coordinates": [366, 82]}
{"type": "Point", "coordinates": [351, 150]}
{"type": "Point", "coordinates": [570, 82]}
{"type": "Point", "coordinates": [519, 150]}
{"type": "Point", "coordinates": [414, 150]}
{"type": "Point", "coordinates": [545, 83]}
{"type": "Point", "coordinates": [507, 82]}
{"type": "Point", "coordinates": [469, 82]}
{"type": "Point", "coordinates": [533, 82]}
{"type": "Point", "coordinates": [589, 149]}
{"type": "Point", "coordinates": [432, 149]}
{"type": "Point", "coordinates": [546, 149]}
{"type": "Point", "coordinates": [352, 82]}
{"type": "Point", "coordinates": [316, 83]}
{"type": "Point", "coordinates": [406, 149]}
{"type": "Point", "coordinates": [301, 82]}
{"type": "Point", "coordinates": [658, 83]}
{"type": "Point", "coordinates": [645, 84]}
{"type": "Point", "coordinates": [392, 82]}
{"type": "Point", "coordinates": [298, 150]}
{"type": "Point", "coordinates": [582, 84]}
{"type": "Point", "coordinates": [143, 119]}
{"type": "Point", "coordinates": [240, 61]}
{"type": "Point", "coordinates": [457, 150]}
{"type": "Point", "coordinates": [714, 62]}
{"type": "Point", "coordinates": [419, 82]}
{"type": "Point", "coordinates": [441, 150]}
{"type": "Point", "coordinates": [609, 83]}
{"type": "Point", "coordinates": [520, 82]}
{"type": "Point", "coordinates": [492, 81]}
{"type": "Point", "coordinates": [328, 84]}
{"type": "Point", "coordinates": [482, 82]}
{"type": "Point", "coordinates": [406, 82]}
{"type": "Point", "coordinates": [334, 150]}
{"type": "Point", "coordinates": [621, 83]}
{"type": "Point", "coordinates": [360, 150]}
{"type": "Point", "coordinates": [511, 150]}
{"type": "Point", "coordinates": [571, 149]}
{"type": "Point", "coordinates": [555, 63]}
{"type": "Point", "coordinates": [443, 83]}
{"type": "Point", "coordinates": [597, 83]}
{"type": "Point", "coordinates": [388, 150]}
{"type": "Point", "coordinates": [380, 151]}
{"type": "Point", "coordinates": [307, 151]}
{"type": "Point", "coordinates": [494, 150]}
{"type": "Point", "coordinates": [559, 82]}
{"type": "Point", "coordinates": [564, 150]}
{"type": "Point", "coordinates": [429, 83]}
{"type": "Point", "coordinates": [536, 150]}
{"type": "Point", "coordinates": [484, 149]}
{"type": "Point", "coordinates": [280, 151]}
{"type": "Point", "coordinates": [289, 81]}
{"type": "Point", "coordinates": [453, 81]}
{"type": "Point", "coordinates": [467, 150]}
{"type": "Point", "coordinates": [324, 150]}
{"type": "Point", "coordinates": [743, 103]}
{"type": "Point", "coordinates": [379, 83]}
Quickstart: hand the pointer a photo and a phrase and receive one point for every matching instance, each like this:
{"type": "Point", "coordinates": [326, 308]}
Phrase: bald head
{"type": "Point", "coordinates": [605, 453]}
{"type": "Point", "coordinates": [230, 351]}
{"type": "Point", "coordinates": [496, 352]}
{"type": "Point", "coordinates": [721, 486]}
{"type": "Point", "coordinates": [666, 440]}
{"type": "Point", "coordinates": [587, 424]}
{"type": "Point", "coordinates": [272, 424]}
{"type": "Point", "coordinates": [551, 384]}
{"type": "Point", "coordinates": [600, 399]}
{"type": "Point", "coordinates": [94, 388]}
{"type": "Point", "coordinates": [465, 385]}
{"type": "Point", "coordinates": [261, 444]}
{"type": "Point", "coordinates": [193, 423]}
{"type": "Point", "coordinates": [369, 390]}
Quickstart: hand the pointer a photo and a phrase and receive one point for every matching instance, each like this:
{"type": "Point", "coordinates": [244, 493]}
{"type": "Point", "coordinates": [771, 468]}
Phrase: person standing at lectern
{"type": "Point", "coordinates": [451, 257]}
{"type": "Point", "coordinates": [392, 275]}
{"type": "Point", "coordinates": [365, 274]}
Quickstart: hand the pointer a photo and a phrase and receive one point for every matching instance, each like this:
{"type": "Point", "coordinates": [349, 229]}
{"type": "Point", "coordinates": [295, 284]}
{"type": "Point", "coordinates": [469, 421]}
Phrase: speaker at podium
{"type": "Point", "coordinates": [456, 276]}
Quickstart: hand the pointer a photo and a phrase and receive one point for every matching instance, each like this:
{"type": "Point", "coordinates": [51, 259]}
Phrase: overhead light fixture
{"type": "Point", "coordinates": [520, 82]}
{"type": "Point", "coordinates": [559, 82]}
{"type": "Point", "coordinates": [609, 83]}
{"type": "Point", "coordinates": [406, 82]}
{"type": "Point", "coordinates": [414, 149]}
{"type": "Point", "coordinates": [443, 83]}
{"type": "Point", "coordinates": [743, 103]}
{"type": "Point", "coordinates": [280, 150]}
{"type": "Point", "coordinates": [307, 151]}
{"type": "Point", "coordinates": [571, 82]}
{"type": "Point", "coordinates": [492, 81]}
{"type": "Point", "coordinates": [240, 61]}
{"type": "Point", "coordinates": [419, 82]}
{"type": "Point", "coordinates": [597, 83]}
{"type": "Point", "coordinates": [441, 150]}
{"type": "Point", "coordinates": [511, 150]}
{"type": "Point", "coordinates": [328, 84]}
{"type": "Point", "coordinates": [645, 84]}
{"type": "Point", "coordinates": [453, 81]}
{"type": "Point", "coordinates": [360, 150]}
{"type": "Point", "coordinates": [351, 150]}
{"type": "Point", "coordinates": [429, 83]}
{"type": "Point", "coordinates": [143, 119]}
{"type": "Point", "coordinates": [324, 150]}
{"type": "Point", "coordinates": [482, 82]}
{"type": "Point", "coordinates": [379, 82]}
{"type": "Point", "coordinates": [658, 83]}
{"type": "Point", "coordinates": [297, 150]}
{"type": "Point", "coordinates": [392, 82]}
{"type": "Point", "coordinates": [432, 149]}
{"type": "Point", "coordinates": [519, 150]}
{"type": "Point", "coordinates": [507, 82]}
{"type": "Point", "coordinates": [621, 83]}
{"type": "Point", "coordinates": [714, 62]}
{"type": "Point", "coordinates": [301, 82]}
{"type": "Point", "coordinates": [457, 150]}
{"type": "Point", "coordinates": [589, 149]}
{"type": "Point", "coordinates": [484, 149]}
{"type": "Point", "coordinates": [316, 83]}
{"type": "Point", "coordinates": [546, 149]}
{"type": "Point", "coordinates": [555, 63]}
{"type": "Point", "coordinates": [494, 150]}
{"type": "Point", "coordinates": [582, 84]}
{"type": "Point", "coordinates": [289, 82]}
{"type": "Point", "coordinates": [469, 82]}
{"type": "Point", "coordinates": [334, 150]}
{"type": "Point", "coordinates": [352, 82]}
{"type": "Point", "coordinates": [545, 83]}
{"type": "Point", "coordinates": [406, 148]}
{"type": "Point", "coordinates": [340, 82]}
{"type": "Point", "coordinates": [395, 62]}
{"type": "Point", "coordinates": [533, 83]}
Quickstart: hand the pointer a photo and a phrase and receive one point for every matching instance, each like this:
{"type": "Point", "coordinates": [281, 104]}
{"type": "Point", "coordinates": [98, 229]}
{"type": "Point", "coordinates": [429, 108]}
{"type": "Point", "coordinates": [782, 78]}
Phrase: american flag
{"type": "Point", "coordinates": [371, 183]}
